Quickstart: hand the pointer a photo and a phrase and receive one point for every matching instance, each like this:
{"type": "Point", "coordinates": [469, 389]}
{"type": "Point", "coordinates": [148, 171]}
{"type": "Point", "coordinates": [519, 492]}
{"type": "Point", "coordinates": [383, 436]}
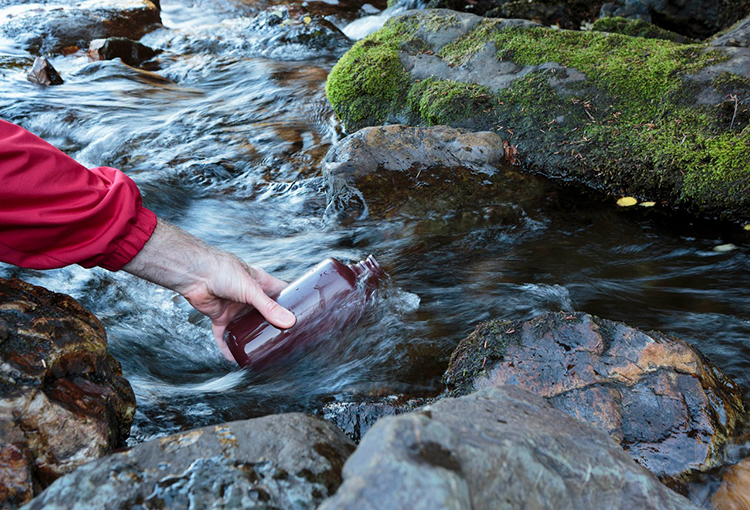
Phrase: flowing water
{"type": "Point", "coordinates": [226, 140]}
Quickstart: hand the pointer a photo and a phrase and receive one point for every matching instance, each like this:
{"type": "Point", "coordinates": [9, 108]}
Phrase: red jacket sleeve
{"type": "Point", "coordinates": [55, 212]}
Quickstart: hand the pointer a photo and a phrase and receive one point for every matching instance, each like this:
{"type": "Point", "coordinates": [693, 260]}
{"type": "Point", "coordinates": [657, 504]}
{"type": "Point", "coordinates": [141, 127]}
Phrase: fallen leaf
{"type": "Point", "coordinates": [307, 20]}
{"type": "Point", "coordinates": [627, 201]}
{"type": "Point", "coordinates": [511, 151]}
{"type": "Point", "coordinates": [747, 227]}
{"type": "Point", "coordinates": [647, 204]}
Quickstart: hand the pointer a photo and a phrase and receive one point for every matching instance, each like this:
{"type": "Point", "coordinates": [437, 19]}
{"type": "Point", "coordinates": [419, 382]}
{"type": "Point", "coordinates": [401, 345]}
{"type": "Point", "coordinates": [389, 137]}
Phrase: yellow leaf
{"type": "Point", "coordinates": [723, 248]}
{"type": "Point", "coordinates": [627, 201]}
{"type": "Point", "coordinates": [647, 204]}
{"type": "Point", "coordinates": [747, 227]}
{"type": "Point", "coordinates": [307, 20]}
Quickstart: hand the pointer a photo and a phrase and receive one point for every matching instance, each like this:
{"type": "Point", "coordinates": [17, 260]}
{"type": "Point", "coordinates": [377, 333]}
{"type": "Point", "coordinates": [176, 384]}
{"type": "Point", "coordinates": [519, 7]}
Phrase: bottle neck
{"type": "Point", "coordinates": [369, 267]}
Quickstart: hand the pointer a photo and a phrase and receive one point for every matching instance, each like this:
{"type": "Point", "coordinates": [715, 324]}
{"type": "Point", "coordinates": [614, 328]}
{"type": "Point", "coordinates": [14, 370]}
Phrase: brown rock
{"type": "Point", "coordinates": [52, 27]}
{"type": "Point", "coordinates": [734, 493]}
{"type": "Point", "coordinates": [669, 407]}
{"type": "Point", "coordinates": [399, 169]}
{"type": "Point", "coordinates": [130, 52]}
{"type": "Point", "coordinates": [42, 73]}
{"type": "Point", "coordinates": [64, 401]}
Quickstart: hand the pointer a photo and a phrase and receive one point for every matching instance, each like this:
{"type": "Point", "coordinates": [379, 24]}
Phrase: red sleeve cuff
{"type": "Point", "coordinates": [132, 243]}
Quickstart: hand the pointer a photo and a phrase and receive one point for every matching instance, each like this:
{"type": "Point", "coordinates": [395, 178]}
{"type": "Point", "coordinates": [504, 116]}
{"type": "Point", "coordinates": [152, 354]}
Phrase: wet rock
{"type": "Point", "coordinates": [356, 418]}
{"type": "Point", "coordinates": [64, 401]}
{"type": "Point", "coordinates": [42, 73]}
{"type": "Point", "coordinates": [285, 32]}
{"type": "Point", "coordinates": [278, 461]}
{"type": "Point", "coordinates": [499, 448]}
{"type": "Point", "coordinates": [737, 35]}
{"type": "Point", "coordinates": [130, 52]}
{"type": "Point", "coordinates": [52, 27]}
{"type": "Point", "coordinates": [734, 492]}
{"type": "Point", "coordinates": [669, 407]}
{"type": "Point", "coordinates": [696, 19]}
{"type": "Point", "coordinates": [391, 170]}
{"type": "Point", "coordinates": [581, 106]}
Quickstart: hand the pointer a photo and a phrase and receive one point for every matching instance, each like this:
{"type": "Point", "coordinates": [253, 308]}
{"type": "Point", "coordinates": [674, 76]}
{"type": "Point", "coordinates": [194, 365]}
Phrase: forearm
{"type": "Point", "coordinates": [177, 260]}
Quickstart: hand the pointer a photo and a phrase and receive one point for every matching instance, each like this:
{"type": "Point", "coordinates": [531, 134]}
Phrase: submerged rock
{"type": "Point", "coordinates": [130, 52]}
{"type": "Point", "coordinates": [648, 118]}
{"type": "Point", "coordinates": [397, 169]}
{"type": "Point", "coordinates": [279, 461]}
{"type": "Point", "coordinates": [64, 400]}
{"type": "Point", "coordinates": [734, 492]}
{"type": "Point", "coordinates": [669, 407]}
{"type": "Point", "coordinates": [499, 448]}
{"type": "Point", "coordinates": [52, 27]}
{"type": "Point", "coordinates": [285, 32]}
{"type": "Point", "coordinates": [43, 73]}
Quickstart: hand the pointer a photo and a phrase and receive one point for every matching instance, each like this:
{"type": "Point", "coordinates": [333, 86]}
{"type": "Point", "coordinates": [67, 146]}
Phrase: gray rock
{"type": "Point", "coordinates": [281, 461]}
{"type": "Point", "coordinates": [500, 448]}
{"type": "Point", "coordinates": [669, 407]}
{"type": "Point", "coordinates": [737, 35]}
{"type": "Point", "coordinates": [416, 171]}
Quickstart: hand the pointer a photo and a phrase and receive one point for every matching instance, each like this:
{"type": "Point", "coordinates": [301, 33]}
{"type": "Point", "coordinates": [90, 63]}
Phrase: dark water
{"type": "Point", "coordinates": [226, 140]}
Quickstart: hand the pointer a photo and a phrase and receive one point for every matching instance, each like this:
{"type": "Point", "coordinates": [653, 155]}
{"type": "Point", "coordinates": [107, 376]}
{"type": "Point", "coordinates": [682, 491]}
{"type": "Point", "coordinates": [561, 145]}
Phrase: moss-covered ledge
{"type": "Point", "coordinates": [651, 118]}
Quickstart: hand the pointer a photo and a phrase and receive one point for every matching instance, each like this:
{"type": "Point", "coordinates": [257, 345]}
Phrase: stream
{"type": "Point", "coordinates": [226, 138]}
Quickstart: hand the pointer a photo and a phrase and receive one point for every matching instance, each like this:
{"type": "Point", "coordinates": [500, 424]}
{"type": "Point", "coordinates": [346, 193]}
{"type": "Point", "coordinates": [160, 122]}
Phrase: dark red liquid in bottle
{"type": "Point", "coordinates": [325, 300]}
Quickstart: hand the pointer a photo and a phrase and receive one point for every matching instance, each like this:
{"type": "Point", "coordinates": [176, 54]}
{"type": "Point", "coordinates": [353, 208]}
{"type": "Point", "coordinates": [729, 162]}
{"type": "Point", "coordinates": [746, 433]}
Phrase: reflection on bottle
{"type": "Point", "coordinates": [327, 299]}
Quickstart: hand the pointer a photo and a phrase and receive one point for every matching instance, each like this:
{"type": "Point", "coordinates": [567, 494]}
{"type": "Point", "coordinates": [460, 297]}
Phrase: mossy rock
{"type": "Point", "coordinates": [650, 118]}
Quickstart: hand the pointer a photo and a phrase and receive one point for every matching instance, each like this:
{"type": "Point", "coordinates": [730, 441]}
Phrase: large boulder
{"type": "Point", "coordinates": [279, 461]}
{"type": "Point", "coordinates": [500, 448]}
{"type": "Point", "coordinates": [644, 117]}
{"type": "Point", "coordinates": [53, 27]}
{"type": "Point", "coordinates": [392, 170]}
{"type": "Point", "coordinates": [63, 400]}
{"type": "Point", "coordinates": [668, 406]}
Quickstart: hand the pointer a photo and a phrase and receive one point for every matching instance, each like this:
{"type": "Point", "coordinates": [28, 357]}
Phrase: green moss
{"type": "Point", "coordinates": [636, 28]}
{"type": "Point", "coordinates": [369, 83]}
{"type": "Point", "coordinates": [448, 102]}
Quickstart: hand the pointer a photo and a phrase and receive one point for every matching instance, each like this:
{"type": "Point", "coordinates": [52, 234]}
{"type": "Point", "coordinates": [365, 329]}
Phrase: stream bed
{"type": "Point", "coordinates": [226, 138]}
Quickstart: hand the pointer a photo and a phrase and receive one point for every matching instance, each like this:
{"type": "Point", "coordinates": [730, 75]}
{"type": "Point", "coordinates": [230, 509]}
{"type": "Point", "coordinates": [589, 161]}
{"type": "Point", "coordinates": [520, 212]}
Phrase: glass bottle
{"type": "Point", "coordinates": [325, 300]}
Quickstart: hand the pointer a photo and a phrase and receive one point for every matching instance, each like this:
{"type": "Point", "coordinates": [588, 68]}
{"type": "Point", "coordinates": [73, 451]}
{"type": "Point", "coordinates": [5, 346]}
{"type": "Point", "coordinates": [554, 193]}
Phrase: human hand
{"type": "Point", "coordinates": [215, 282]}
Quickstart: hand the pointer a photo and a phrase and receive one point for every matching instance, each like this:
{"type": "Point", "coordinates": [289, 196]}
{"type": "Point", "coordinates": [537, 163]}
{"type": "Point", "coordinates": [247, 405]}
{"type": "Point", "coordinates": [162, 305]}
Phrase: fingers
{"type": "Point", "coordinates": [272, 311]}
{"type": "Point", "coordinates": [219, 337]}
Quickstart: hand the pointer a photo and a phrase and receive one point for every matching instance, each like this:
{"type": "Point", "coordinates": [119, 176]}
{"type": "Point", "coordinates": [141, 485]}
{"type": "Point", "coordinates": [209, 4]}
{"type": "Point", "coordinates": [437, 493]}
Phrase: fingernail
{"type": "Point", "coordinates": [286, 317]}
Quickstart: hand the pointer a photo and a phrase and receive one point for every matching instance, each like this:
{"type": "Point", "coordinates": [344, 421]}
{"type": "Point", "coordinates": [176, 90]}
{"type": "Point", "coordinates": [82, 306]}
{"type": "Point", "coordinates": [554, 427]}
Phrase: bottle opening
{"type": "Point", "coordinates": [369, 265]}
